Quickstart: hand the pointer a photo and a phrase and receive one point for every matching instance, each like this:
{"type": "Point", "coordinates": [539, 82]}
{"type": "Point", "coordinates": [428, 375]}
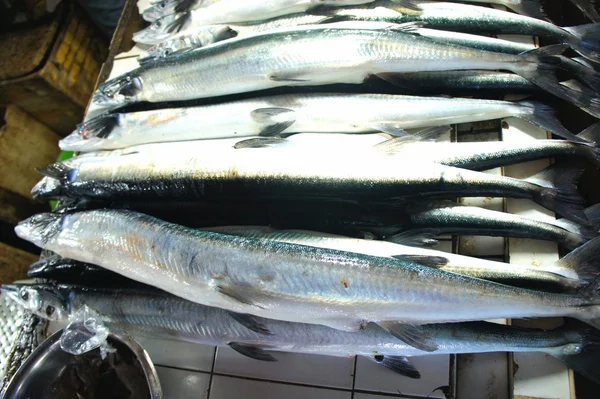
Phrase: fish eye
{"type": "Point", "coordinates": [50, 310]}
{"type": "Point", "coordinates": [378, 358]}
{"type": "Point", "coordinates": [157, 24]}
{"type": "Point", "coordinates": [24, 295]}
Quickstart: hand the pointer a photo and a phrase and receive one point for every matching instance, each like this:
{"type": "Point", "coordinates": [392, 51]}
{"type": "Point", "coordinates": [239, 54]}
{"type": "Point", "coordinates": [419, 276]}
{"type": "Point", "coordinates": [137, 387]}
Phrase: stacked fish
{"type": "Point", "coordinates": [245, 187]}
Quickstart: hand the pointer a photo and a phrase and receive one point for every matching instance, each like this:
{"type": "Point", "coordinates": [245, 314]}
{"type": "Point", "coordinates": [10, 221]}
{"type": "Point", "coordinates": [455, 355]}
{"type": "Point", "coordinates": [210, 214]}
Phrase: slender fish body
{"type": "Point", "coordinates": [291, 282]}
{"type": "Point", "coordinates": [347, 56]}
{"type": "Point", "coordinates": [285, 173]}
{"type": "Point", "coordinates": [160, 315]}
{"type": "Point", "coordinates": [299, 113]}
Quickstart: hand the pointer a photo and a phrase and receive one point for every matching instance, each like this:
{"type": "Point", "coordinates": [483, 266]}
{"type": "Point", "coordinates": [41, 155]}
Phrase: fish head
{"type": "Point", "coordinates": [48, 187]}
{"type": "Point", "coordinates": [162, 29]}
{"type": "Point", "coordinates": [40, 229]}
{"type": "Point", "coordinates": [90, 135]}
{"type": "Point", "coordinates": [48, 265]}
{"type": "Point", "coordinates": [44, 300]}
{"type": "Point", "coordinates": [121, 90]}
{"type": "Point", "coordinates": [160, 9]}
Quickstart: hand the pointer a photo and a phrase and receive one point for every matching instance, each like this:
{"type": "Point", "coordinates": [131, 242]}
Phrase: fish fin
{"type": "Point", "coordinates": [185, 5]}
{"type": "Point", "coordinates": [539, 66]}
{"type": "Point", "coordinates": [581, 72]}
{"type": "Point", "coordinates": [275, 120]}
{"type": "Point", "coordinates": [424, 260]}
{"type": "Point", "coordinates": [251, 322]}
{"type": "Point", "coordinates": [416, 238]}
{"type": "Point", "coordinates": [584, 261]}
{"type": "Point", "coordinates": [397, 79]}
{"type": "Point", "coordinates": [179, 22]}
{"type": "Point", "coordinates": [260, 142]}
{"type": "Point", "coordinates": [531, 8]}
{"type": "Point", "coordinates": [584, 357]}
{"type": "Point", "coordinates": [100, 126]}
{"type": "Point", "coordinates": [407, 6]}
{"type": "Point", "coordinates": [588, 8]}
{"type": "Point", "coordinates": [585, 39]}
{"type": "Point", "coordinates": [389, 128]}
{"type": "Point", "coordinates": [57, 170]}
{"type": "Point", "coordinates": [252, 351]}
{"type": "Point", "coordinates": [592, 213]}
{"type": "Point", "coordinates": [287, 77]}
{"type": "Point", "coordinates": [414, 335]}
{"type": "Point", "coordinates": [560, 194]}
{"type": "Point", "coordinates": [367, 235]}
{"type": "Point", "coordinates": [591, 134]}
{"type": "Point", "coordinates": [398, 364]}
{"type": "Point", "coordinates": [395, 144]}
{"type": "Point", "coordinates": [241, 293]}
{"type": "Point", "coordinates": [544, 117]}
{"type": "Point", "coordinates": [407, 27]}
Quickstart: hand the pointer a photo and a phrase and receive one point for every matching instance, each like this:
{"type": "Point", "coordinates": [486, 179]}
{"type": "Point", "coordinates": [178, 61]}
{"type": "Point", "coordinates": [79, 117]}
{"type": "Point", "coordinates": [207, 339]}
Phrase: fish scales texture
{"type": "Point", "coordinates": [284, 281]}
{"type": "Point", "coordinates": [240, 66]}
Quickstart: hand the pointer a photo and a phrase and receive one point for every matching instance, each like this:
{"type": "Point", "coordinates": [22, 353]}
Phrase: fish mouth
{"type": "Point", "coordinates": [10, 291]}
{"type": "Point", "coordinates": [40, 228]}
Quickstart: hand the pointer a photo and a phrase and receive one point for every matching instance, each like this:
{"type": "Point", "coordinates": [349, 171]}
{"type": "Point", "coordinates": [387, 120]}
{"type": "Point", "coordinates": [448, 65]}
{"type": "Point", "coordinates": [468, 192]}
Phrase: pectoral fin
{"type": "Point", "coordinates": [273, 120]}
{"type": "Point", "coordinates": [251, 322]}
{"type": "Point", "coordinates": [398, 364]}
{"type": "Point", "coordinates": [252, 351]}
{"type": "Point", "coordinates": [414, 335]}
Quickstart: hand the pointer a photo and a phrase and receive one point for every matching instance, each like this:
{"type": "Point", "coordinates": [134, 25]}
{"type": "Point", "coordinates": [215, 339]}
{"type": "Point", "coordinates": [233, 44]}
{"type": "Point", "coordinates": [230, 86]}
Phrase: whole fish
{"type": "Point", "coordinates": [573, 271]}
{"type": "Point", "coordinates": [347, 56]}
{"type": "Point", "coordinates": [189, 40]}
{"type": "Point", "coordinates": [292, 282]}
{"type": "Point", "coordinates": [476, 19]}
{"type": "Point", "coordinates": [159, 315]}
{"type": "Point", "coordinates": [286, 173]}
{"type": "Point", "coordinates": [299, 113]}
{"type": "Point", "coordinates": [231, 11]}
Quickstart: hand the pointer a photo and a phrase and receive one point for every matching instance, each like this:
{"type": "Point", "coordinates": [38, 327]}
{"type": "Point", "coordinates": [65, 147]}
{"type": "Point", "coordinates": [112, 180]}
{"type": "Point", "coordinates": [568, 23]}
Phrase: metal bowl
{"type": "Point", "coordinates": [52, 373]}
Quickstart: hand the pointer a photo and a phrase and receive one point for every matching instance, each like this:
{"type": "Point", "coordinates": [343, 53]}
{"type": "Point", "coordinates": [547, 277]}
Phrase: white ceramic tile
{"type": "Point", "coordinates": [482, 375]}
{"type": "Point", "coordinates": [491, 203]}
{"type": "Point", "coordinates": [434, 369]}
{"type": "Point", "coordinates": [183, 384]}
{"type": "Point", "coordinates": [371, 396]}
{"type": "Point", "coordinates": [180, 354]}
{"type": "Point", "coordinates": [540, 375]}
{"type": "Point", "coordinates": [481, 246]}
{"type": "Point", "coordinates": [232, 388]}
{"type": "Point", "coordinates": [319, 370]}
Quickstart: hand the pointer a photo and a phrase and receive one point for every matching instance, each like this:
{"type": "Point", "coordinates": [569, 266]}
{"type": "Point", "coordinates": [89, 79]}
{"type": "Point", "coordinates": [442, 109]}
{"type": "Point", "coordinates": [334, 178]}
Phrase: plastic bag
{"type": "Point", "coordinates": [86, 332]}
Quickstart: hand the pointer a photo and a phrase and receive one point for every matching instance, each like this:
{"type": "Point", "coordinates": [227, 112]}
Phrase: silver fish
{"type": "Point", "coordinates": [573, 271]}
{"type": "Point", "coordinates": [263, 172]}
{"type": "Point", "coordinates": [299, 113]}
{"type": "Point", "coordinates": [292, 282]}
{"type": "Point", "coordinates": [531, 8]}
{"type": "Point", "coordinates": [159, 315]}
{"type": "Point", "coordinates": [262, 61]}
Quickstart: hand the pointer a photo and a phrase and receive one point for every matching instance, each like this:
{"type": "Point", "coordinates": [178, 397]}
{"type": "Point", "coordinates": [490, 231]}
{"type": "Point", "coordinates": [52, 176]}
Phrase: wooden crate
{"type": "Point", "coordinates": [25, 144]}
{"type": "Point", "coordinates": [14, 263]}
{"type": "Point", "coordinates": [50, 71]}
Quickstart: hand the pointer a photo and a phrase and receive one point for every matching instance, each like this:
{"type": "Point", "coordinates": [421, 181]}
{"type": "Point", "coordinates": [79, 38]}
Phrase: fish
{"type": "Point", "coordinates": [450, 16]}
{"type": "Point", "coordinates": [299, 113]}
{"type": "Point", "coordinates": [260, 62]}
{"type": "Point", "coordinates": [155, 314]}
{"type": "Point", "coordinates": [572, 272]}
{"type": "Point", "coordinates": [291, 282]}
{"type": "Point", "coordinates": [285, 173]}
{"type": "Point", "coordinates": [232, 11]}
{"type": "Point", "coordinates": [486, 155]}
{"type": "Point", "coordinates": [588, 8]}
{"type": "Point", "coordinates": [531, 8]}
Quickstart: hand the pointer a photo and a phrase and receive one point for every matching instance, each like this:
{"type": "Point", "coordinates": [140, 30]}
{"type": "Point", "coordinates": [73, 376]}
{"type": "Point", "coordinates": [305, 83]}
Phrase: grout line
{"type": "Point", "coordinates": [212, 373]}
{"type": "Point", "coordinates": [354, 376]}
{"type": "Point", "coordinates": [299, 384]}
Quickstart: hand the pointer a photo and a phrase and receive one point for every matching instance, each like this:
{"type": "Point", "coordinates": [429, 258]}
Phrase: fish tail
{"type": "Point", "coordinates": [539, 66]}
{"type": "Point", "coordinates": [558, 190]}
{"type": "Point", "coordinates": [582, 263]}
{"type": "Point", "coordinates": [585, 39]}
{"type": "Point", "coordinates": [583, 354]}
{"type": "Point", "coordinates": [591, 134]}
{"type": "Point", "coordinates": [531, 8]}
{"type": "Point", "coordinates": [588, 8]}
{"type": "Point", "coordinates": [544, 117]}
